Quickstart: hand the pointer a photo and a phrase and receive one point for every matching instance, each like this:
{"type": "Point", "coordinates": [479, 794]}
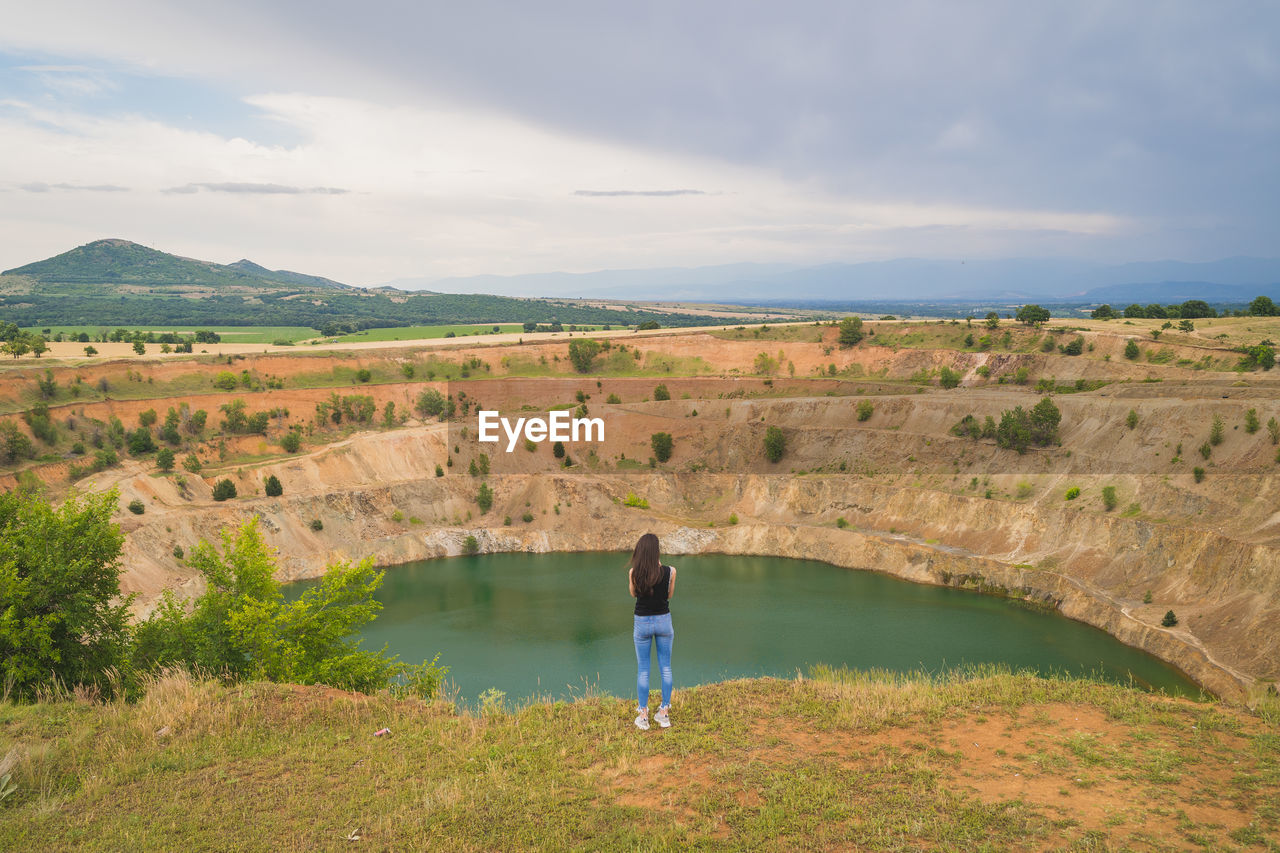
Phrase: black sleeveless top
{"type": "Point", "coordinates": [655, 603]}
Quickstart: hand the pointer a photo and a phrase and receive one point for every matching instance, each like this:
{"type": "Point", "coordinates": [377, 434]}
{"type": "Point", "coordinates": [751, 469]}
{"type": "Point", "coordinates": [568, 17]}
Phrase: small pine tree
{"type": "Point", "coordinates": [164, 459]}
{"type": "Point", "coordinates": [484, 498]}
{"type": "Point", "coordinates": [1216, 430]}
{"type": "Point", "coordinates": [1273, 430]}
{"type": "Point", "coordinates": [1109, 497]}
{"type": "Point", "coordinates": [1251, 422]}
{"type": "Point", "coordinates": [1170, 619]}
{"type": "Point", "coordinates": [1132, 419]}
{"type": "Point", "coordinates": [661, 444]}
{"type": "Point", "coordinates": [557, 450]}
{"type": "Point", "coordinates": [272, 486]}
{"type": "Point", "coordinates": [775, 443]}
{"type": "Point", "coordinates": [661, 393]}
{"type": "Point", "coordinates": [1131, 351]}
{"type": "Point", "coordinates": [224, 490]}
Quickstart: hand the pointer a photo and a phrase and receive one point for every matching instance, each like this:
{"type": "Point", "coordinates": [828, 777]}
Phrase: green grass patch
{"type": "Point", "coordinates": [422, 333]}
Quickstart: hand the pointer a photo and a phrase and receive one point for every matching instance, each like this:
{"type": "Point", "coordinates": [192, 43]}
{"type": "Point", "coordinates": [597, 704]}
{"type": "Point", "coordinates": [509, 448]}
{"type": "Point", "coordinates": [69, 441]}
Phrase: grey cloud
{"type": "Point", "coordinates": [650, 193]}
{"type": "Point", "coordinates": [259, 189]}
{"type": "Point", "coordinates": [40, 187]}
{"type": "Point", "coordinates": [1165, 110]}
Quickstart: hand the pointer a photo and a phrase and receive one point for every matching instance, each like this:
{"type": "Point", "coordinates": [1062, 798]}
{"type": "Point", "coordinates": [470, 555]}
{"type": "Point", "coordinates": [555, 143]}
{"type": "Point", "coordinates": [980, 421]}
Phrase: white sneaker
{"type": "Point", "coordinates": [662, 718]}
{"type": "Point", "coordinates": [642, 722]}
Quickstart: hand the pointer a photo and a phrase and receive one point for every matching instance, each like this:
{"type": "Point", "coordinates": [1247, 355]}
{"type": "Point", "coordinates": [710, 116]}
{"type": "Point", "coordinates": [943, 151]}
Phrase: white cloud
{"type": "Point", "coordinates": [377, 192]}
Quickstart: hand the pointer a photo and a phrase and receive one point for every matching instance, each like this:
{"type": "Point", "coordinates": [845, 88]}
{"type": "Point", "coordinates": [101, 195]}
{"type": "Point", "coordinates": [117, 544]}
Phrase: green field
{"type": "Point", "coordinates": [418, 333]}
{"type": "Point", "coordinates": [230, 334]}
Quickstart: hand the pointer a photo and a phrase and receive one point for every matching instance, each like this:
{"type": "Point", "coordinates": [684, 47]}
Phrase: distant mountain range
{"type": "Point", "coordinates": [905, 280]}
{"type": "Point", "coordinates": [121, 262]}
{"type": "Point", "coordinates": [117, 282]}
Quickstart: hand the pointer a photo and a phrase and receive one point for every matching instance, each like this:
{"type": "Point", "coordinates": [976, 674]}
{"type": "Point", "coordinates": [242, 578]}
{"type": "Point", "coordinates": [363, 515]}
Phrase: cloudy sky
{"type": "Point", "coordinates": [394, 138]}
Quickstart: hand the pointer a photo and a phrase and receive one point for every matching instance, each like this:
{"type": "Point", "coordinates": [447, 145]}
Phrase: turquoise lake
{"type": "Point", "coordinates": [558, 624]}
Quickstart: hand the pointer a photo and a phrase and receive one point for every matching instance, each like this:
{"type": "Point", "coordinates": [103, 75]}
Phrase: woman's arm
{"type": "Point", "coordinates": [671, 587]}
{"type": "Point", "coordinates": [631, 582]}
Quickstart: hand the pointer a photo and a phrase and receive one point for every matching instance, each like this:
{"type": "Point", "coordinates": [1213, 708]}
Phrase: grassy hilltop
{"type": "Point", "coordinates": [988, 760]}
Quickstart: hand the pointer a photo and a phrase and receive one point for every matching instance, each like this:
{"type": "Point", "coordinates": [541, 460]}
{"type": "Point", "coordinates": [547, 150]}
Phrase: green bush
{"type": "Point", "coordinates": [191, 463]}
{"type": "Point", "coordinates": [582, 354]}
{"type": "Point", "coordinates": [865, 410]}
{"type": "Point", "coordinates": [226, 381]}
{"type": "Point", "coordinates": [272, 486]}
{"type": "Point", "coordinates": [733, 518]}
{"type": "Point", "coordinates": [164, 459]}
{"type": "Point", "coordinates": [317, 525]}
{"type": "Point", "coordinates": [224, 490]}
{"type": "Point", "coordinates": [1131, 350]}
{"type": "Point", "coordinates": [775, 443]}
{"type": "Point", "coordinates": [660, 392]}
{"type": "Point", "coordinates": [439, 471]}
{"type": "Point", "coordinates": [1073, 493]}
{"type": "Point", "coordinates": [363, 375]}
{"type": "Point", "coordinates": [633, 500]}
{"type": "Point", "coordinates": [841, 523]}
{"type": "Point", "coordinates": [1131, 420]}
{"type": "Point", "coordinates": [1251, 422]}
{"type": "Point", "coordinates": [291, 441]}
{"type": "Point", "coordinates": [1170, 619]}
{"type": "Point", "coordinates": [63, 618]}
{"type": "Point", "coordinates": [241, 626]}
{"type": "Point", "coordinates": [661, 444]}
{"type": "Point", "coordinates": [484, 498]}
{"type": "Point", "coordinates": [557, 449]}
{"type": "Point", "coordinates": [471, 545]}
{"type": "Point", "coordinates": [850, 333]}
{"type": "Point", "coordinates": [948, 378]}
{"type": "Point", "coordinates": [1198, 473]}
{"type": "Point", "coordinates": [527, 517]}
{"type": "Point", "coordinates": [137, 507]}
{"type": "Point", "coordinates": [1109, 497]}
{"type": "Point", "coordinates": [1216, 430]}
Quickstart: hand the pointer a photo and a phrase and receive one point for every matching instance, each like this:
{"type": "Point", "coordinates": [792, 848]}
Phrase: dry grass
{"type": "Point", "coordinates": [985, 760]}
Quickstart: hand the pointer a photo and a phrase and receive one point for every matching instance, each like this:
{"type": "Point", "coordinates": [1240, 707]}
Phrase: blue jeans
{"type": "Point", "coordinates": [647, 629]}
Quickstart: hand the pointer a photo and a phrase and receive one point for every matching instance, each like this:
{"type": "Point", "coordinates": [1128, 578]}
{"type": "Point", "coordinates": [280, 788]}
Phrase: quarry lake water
{"type": "Point", "coordinates": [558, 624]}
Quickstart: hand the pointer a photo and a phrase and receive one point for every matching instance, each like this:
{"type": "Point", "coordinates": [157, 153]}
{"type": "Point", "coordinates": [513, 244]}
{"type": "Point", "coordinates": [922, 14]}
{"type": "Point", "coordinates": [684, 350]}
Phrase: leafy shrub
{"type": "Point", "coordinates": [1131, 419]}
{"type": "Point", "coordinates": [291, 441]}
{"type": "Point", "coordinates": [242, 626]}
{"type": "Point", "coordinates": [865, 410]}
{"type": "Point", "coordinates": [1131, 350]}
{"type": "Point", "coordinates": [733, 518]}
{"type": "Point", "coordinates": [660, 392]}
{"type": "Point", "coordinates": [272, 486]}
{"type": "Point", "coordinates": [224, 490]}
{"type": "Point", "coordinates": [557, 450]}
{"type": "Point", "coordinates": [317, 525]}
{"type": "Point", "coordinates": [363, 375]}
{"type": "Point", "coordinates": [841, 523]}
{"type": "Point", "coordinates": [661, 444]}
{"type": "Point", "coordinates": [164, 459]}
{"type": "Point", "coordinates": [137, 507]}
{"type": "Point", "coordinates": [1198, 473]}
{"type": "Point", "coordinates": [527, 517]}
{"type": "Point", "coordinates": [1073, 493]}
{"type": "Point", "coordinates": [439, 471]}
{"type": "Point", "coordinates": [64, 619]}
{"type": "Point", "coordinates": [1075, 347]}
{"type": "Point", "coordinates": [1251, 422]}
{"type": "Point", "coordinates": [775, 443]}
{"type": "Point", "coordinates": [1109, 497]}
{"type": "Point", "coordinates": [948, 378]}
{"type": "Point", "coordinates": [470, 545]}
{"type": "Point", "coordinates": [850, 331]}
{"type": "Point", "coordinates": [633, 500]}
{"type": "Point", "coordinates": [191, 463]}
{"type": "Point", "coordinates": [484, 498]}
{"type": "Point", "coordinates": [613, 398]}
{"type": "Point", "coordinates": [1170, 619]}
{"type": "Point", "coordinates": [1206, 449]}
{"type": "Point", "coordinates": [225, 380]}
{"type": "Point", "coordinates": [582, 354]}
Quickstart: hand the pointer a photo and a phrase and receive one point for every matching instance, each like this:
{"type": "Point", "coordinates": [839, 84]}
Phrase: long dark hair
{"type": "Point", "coordinates": [646, 568]}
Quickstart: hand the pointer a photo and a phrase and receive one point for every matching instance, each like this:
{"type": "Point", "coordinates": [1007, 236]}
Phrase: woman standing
{"type": "Point", "coordinates": [652, 584]}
